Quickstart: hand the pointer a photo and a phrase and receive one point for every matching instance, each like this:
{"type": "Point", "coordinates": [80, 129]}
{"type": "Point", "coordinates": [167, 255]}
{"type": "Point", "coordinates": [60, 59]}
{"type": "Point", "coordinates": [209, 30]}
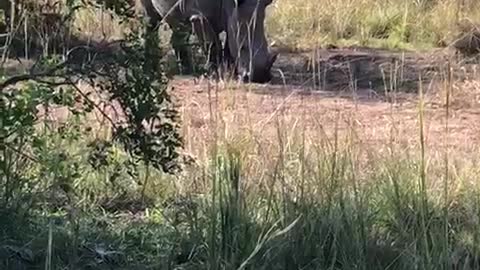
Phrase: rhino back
{"type": "Point", "coordinates": [184, 9]}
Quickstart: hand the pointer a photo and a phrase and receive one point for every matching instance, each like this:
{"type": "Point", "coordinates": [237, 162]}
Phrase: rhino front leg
{"type": "Point", "coordinates": [180, 43]}
{"type": "Point", "coordinates": [209, 40]}
{"type": "Point", "coordinates": [228, 59]}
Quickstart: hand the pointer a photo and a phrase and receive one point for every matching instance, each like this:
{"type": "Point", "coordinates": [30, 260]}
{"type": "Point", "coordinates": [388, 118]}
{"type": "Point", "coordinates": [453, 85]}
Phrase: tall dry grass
{"type": "Point", "coordinates": [392, 23]}
{"type": "Point", "coordinates": [301, 188]}
{"type": "Point", "coordinates": [313, 23]}
{"type": "Point", "coordinates": [277, 183]}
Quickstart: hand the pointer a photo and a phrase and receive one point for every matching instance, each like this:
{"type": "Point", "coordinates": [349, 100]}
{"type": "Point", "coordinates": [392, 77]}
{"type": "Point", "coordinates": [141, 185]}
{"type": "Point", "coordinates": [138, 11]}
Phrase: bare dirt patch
{"type": "Point", "coordinates": [294, 101]}
{"type": "Point", "coordinates": [357, 94]}
{"type": "Point", "coordinates": [375, 121]}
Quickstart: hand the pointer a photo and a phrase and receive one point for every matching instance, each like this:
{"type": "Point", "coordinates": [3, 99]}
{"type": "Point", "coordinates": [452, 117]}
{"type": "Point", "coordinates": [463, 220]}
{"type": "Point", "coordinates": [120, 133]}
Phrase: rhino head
{"type": "Point", "coordinates": [246, 40]}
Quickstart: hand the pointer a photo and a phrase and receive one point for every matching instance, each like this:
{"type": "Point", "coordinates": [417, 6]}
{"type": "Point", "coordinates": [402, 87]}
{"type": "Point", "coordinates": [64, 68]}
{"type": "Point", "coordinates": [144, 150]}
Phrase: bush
{"type": "Point", "coordinates": [56, 167]}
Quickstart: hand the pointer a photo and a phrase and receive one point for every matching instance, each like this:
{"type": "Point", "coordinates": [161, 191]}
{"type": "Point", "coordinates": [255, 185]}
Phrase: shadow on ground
{"type": "Point", "coordinates": [365, 71]}
{"type": "Point", "coordinates": [355, 68]}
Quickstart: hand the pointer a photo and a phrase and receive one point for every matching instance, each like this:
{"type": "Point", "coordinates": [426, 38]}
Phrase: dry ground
{"type": "Point", "coordinates": [372, 93]}
{"type": "Point", "coordinates": [295, 102]}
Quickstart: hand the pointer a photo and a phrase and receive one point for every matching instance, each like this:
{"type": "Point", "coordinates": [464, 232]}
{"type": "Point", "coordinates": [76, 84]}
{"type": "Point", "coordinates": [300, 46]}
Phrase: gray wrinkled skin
{"type": "Point", "coordinates": [242, 20]}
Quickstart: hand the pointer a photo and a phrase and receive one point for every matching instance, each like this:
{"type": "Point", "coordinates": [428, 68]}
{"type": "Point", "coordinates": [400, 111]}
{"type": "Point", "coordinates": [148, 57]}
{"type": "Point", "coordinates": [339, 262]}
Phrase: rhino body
{"type": "Point", "coordinates": [246, 48]}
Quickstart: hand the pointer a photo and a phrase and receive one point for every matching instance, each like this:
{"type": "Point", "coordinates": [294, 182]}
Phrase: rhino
{"type": "Point", "coordinates": [246, 50]}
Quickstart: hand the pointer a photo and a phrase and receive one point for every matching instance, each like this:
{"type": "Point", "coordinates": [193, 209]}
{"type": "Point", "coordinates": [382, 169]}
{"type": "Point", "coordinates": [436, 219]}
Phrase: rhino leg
{"type": "Point", "coordinates": [180, 43]}
{"type": "Point", "coordinates": [210, 42]}
{"type": "Point", "coordinates": [180, 34]}
{"type": "Point", "coordinates": [228, 59]}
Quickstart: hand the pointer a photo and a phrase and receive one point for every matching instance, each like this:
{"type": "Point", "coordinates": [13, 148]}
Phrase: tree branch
{"type": "Point", "coordinates": [32, 76]}
{"type": "Point", "coordinates": [114, 126]}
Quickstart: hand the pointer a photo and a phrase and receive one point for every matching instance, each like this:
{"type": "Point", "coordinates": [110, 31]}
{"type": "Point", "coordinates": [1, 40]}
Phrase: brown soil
{"type": "Point", "coordinates": [378, 118]}
{"type": "Point", "coordinates": [356, 93]}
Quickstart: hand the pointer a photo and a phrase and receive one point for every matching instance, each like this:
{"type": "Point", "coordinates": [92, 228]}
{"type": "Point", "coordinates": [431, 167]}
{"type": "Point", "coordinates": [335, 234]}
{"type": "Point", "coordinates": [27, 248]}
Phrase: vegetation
{"type": "Point", "coordinates": [390, 23]}
{"type": "Point", "coordinates": [95, 170]}
{"type": "Point", "coordinates": [394, 24]}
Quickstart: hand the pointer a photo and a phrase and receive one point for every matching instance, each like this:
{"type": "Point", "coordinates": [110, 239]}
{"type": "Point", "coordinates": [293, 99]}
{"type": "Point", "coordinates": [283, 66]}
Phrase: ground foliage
{"type": "Point", "coordinates": [47, 167]}
{"type": "Point", "coordinates": [70, 199]}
